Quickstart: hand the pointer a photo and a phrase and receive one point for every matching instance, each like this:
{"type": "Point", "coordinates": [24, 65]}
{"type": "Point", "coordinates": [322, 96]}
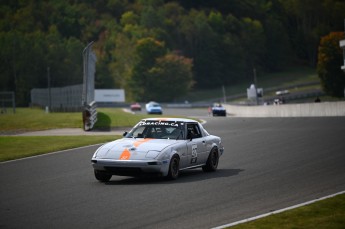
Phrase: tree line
{"type": "Point", "coordinates": [156, 49]}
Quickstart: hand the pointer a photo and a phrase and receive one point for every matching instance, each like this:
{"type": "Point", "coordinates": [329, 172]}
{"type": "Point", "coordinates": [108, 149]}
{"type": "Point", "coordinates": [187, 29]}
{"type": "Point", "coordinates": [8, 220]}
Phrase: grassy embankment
{"type": "Point", "coordinates": [328, 213]}
{"type": "Point", "coordinates": [281, 80]}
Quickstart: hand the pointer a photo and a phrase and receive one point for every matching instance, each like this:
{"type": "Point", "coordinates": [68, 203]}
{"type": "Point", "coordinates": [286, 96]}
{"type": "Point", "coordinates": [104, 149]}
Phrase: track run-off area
{"type": "Point", "coordinates": [268, 164]}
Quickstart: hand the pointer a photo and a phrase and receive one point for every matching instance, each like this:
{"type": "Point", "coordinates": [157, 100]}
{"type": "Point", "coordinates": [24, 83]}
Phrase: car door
{"type": "Point", "coordinates": [196, 146]}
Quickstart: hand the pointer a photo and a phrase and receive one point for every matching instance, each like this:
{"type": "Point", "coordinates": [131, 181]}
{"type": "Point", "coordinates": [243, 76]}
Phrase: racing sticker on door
{"type": "Point", "coordinates": [194, 154]}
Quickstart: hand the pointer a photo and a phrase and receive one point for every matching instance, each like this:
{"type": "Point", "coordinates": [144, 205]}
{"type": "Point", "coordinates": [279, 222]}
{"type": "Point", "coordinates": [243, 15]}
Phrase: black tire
{"type": "Point", "coordinates": [174, 168]}
{"type": "Point", "coordinates": [102, 176]}
{"type": "Point", "coordinates": [212, 161]}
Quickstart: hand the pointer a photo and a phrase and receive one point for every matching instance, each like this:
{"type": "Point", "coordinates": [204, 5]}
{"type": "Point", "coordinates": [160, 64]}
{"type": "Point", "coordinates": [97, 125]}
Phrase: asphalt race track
{"type": "Point", "coordinates": [269, 164]}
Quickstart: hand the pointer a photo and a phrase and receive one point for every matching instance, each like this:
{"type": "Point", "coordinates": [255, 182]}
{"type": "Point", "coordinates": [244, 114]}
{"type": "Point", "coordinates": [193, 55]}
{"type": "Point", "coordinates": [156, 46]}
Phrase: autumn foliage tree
{"type": "Point", "coordinates": [330, 59]}
{"type": "Point", "coordinates": [147, 51]}
{"type": "Point", "coordinates": [170, 78]}
{"type": "Point", "coordinates": [157, 74]}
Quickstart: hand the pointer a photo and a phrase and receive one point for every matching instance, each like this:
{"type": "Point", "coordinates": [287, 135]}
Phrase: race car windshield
{"type": "Point", "coordinates": [157, 130]}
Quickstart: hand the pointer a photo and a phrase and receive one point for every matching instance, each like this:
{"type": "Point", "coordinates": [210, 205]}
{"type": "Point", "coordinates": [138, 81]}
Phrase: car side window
{"type": "Point", "coordinates": [193, 131]}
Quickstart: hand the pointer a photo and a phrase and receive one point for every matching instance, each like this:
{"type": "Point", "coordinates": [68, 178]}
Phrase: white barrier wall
{"type": "Point", "coordinates": [289, 110]}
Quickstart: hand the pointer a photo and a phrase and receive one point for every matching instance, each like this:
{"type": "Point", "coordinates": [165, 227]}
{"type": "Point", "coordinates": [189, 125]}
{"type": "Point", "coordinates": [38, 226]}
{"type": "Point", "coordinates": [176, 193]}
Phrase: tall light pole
{"type": "Point", "coordinates": [49, 89]}
{"type": "Point", "coordinates": [224, 95]}
{"type": "Point", "coordinates": [256, 86]}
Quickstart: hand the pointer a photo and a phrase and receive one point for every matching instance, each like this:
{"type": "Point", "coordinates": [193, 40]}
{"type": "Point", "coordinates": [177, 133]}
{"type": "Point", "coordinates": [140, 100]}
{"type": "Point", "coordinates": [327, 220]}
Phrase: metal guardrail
{"type": "Point", "coordinates": [89, 116]}
{"type": "Point", "coordinates": [7, 99]}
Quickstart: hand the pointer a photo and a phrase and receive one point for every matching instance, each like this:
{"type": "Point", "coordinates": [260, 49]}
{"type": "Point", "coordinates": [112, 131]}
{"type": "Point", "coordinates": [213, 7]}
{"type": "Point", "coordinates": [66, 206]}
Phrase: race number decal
{"type": "Point", "coordinates": [194, 154]}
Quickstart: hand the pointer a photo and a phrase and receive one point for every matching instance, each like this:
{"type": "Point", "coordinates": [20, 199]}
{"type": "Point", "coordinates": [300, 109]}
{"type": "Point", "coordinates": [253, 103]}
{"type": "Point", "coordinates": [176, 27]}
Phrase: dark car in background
{"type": "Point", "coordinates": [218, 110]}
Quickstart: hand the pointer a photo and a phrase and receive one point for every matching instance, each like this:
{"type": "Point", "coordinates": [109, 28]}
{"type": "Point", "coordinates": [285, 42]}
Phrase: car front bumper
{"type": "Point", "coordinates": [155, 112]}
{"type": "Point", "coordinates": [131, 167]}
{"type": "Point", "coordinates": [219, 113]}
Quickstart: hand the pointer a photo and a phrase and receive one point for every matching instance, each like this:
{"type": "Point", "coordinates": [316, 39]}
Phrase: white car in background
{"type": "Point", "coordinates": [153, 108]}
{"type": "Point", "coordinates": [158, 146]}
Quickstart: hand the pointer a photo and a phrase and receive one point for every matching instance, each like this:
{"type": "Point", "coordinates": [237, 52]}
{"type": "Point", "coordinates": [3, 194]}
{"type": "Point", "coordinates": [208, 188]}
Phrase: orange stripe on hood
{"type": "Point", "coordinates": [125, 155]}
{"type": "Point", "coordinates": [139, 142]}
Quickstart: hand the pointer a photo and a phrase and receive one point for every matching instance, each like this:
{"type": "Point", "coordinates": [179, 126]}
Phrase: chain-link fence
{"type": "Point", "coordinates": [7, 102]}
{"type": "Point", "coordinates": [59, 98]}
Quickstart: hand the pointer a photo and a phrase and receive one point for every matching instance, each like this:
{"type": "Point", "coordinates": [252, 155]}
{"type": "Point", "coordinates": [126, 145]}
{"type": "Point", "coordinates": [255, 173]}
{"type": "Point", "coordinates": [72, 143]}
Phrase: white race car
{"type": "Point", "coordinates": [161, 146]}
{"type": "Point", "coordinates": [153, 108]}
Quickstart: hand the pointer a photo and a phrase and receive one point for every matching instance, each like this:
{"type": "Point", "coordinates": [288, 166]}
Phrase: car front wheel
{"type": "Point", "coordinates": [174, 168]}
{"type": "Point", "coordinates": [102, 176]}
{"type": "Point", "coordinates": [212, 161]}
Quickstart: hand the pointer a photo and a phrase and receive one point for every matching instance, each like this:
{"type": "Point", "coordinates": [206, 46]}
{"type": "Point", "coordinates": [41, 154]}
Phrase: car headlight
{"type": "Point", "coordinates": [152, 154]}
{"type": "Point", "coordinates": [101, 151]}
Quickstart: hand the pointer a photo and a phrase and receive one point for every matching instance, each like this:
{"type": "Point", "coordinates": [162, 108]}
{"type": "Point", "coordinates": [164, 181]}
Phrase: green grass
{"type": "Point", "coordinates": [297, 89]}
{"type": "Point", "coordinates": [115, 117]}
{"type": "Point", "coordinates": [328, 213]}
{"type": "Point", "coordinates": [31, 119]}
{"type": "Point", "coordinates": [288, 78]}
{"type": "Point", "coordinates": [15, 147]}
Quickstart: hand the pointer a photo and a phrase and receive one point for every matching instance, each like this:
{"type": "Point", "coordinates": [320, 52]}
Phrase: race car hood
{"type": "Point", "coordinates": [133, 149]}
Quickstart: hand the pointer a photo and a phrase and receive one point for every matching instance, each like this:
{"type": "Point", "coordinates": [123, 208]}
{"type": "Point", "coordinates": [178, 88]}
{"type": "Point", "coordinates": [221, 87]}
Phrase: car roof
{"type": "Point", "coordinates": [152, 102]}
{"type": "Point", "coordinates": [170, 119]}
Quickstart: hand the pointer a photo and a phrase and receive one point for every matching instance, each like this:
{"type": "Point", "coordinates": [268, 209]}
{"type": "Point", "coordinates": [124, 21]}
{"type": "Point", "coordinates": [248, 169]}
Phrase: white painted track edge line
{"type": "Point", "coordinates": [48, 154]}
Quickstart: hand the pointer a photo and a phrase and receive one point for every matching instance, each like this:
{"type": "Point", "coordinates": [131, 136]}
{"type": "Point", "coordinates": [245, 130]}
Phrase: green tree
{"type": "Point", "coordinates": [308, 20]}
{"type": "Point", "coordinates": [170, 78]}
{"type": "Point", "coordinates": [252, 38]}
{"type": "Point", "coordinates": [202, 44]}
{"type": "Point", "coordinates": [277, 54]}
{"type": "Point", "coordinates": [122, 62]}
{"type": "Point", "coordinates": [330, 59]}
{"type": "Point", "coordinates": [172, 13]}
{"type": "Point", "coordinates": [147, 51]}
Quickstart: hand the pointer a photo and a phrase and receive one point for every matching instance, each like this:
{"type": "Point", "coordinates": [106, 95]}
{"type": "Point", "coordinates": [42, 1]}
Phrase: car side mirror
{"type": "Point", "coordinates": [125, 133]}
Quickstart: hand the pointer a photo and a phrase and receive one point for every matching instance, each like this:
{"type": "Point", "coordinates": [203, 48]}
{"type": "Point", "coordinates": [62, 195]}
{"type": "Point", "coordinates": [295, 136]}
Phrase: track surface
{"type": "Point", "coordinates": [268, 164]}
